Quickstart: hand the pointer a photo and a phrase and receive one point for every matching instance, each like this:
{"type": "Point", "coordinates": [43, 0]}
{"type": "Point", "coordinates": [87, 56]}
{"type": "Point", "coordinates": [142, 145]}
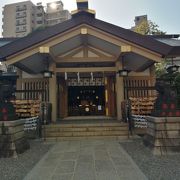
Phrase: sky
{"type": "Point", "coordinates": [165, 13]}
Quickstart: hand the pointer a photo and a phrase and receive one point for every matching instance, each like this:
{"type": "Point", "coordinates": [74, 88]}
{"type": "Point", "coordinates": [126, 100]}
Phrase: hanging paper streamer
{"type": "Point", "coordinates": [78, 76]}
{"type": "Point", "coordinates": [65, 76]}
{"type": "Point", "coordinates": [92, 78]}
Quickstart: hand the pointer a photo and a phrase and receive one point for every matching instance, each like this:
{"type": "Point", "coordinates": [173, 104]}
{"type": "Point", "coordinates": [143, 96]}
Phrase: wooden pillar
{"type": "Point", "coordinates": [106, 96]}
{"type": "Point", "coordinates": [53, 93]}
{"type": "Point", "coordinates": [63, 98]}
{"type": "Point", "coordinates": [119, 92]}
{"type": "Point", "coordinates": [152, 80]}
{"type": "Point", "coordinates": [19, 80]}
{"type": "Point", "coordinates": [110, 97]}
{"type": "Point", "coordinates": [152, 70]}
{"type": "Point", "coordinates": [19, 83]}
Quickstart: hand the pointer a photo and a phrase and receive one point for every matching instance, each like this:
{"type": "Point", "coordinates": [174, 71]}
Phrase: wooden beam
{"type": "Point", "coordinates": [89, 69]}
{"type": "Point", "coordinates": [88, 59]}
{"type": "Point", "coordinates": [74, 52]}
{"type": "Point", "coordinates": [67, 54]}
{"type": "Point", "coordinates": [102, 50]}
{"type": "Point", "coordinates": [97, 53]}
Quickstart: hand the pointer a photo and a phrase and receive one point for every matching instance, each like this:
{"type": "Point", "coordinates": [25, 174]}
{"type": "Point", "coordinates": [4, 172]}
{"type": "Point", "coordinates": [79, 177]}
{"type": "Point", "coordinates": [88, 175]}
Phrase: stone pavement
{"type": "Point", "coordinates": [86, 160]}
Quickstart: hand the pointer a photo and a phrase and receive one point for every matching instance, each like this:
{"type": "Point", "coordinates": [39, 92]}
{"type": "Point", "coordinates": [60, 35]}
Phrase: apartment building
{"type": "Point", "coordinates": [20, 19]}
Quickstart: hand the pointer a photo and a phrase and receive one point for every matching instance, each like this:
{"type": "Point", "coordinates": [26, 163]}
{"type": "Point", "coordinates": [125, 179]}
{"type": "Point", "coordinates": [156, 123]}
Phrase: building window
{"type": "Point", "coordinates": [17, 8]}
{"type": "Point", "coordinates": [39, 15]}
{"type": "Point", "coordinates": [21, 8]}
{"type": "Point", "coordinates": [17, 22]}
{"type": "Point", "coordinates": [17, 29]}
{"type": "Point", "coordinates": [39, 22]}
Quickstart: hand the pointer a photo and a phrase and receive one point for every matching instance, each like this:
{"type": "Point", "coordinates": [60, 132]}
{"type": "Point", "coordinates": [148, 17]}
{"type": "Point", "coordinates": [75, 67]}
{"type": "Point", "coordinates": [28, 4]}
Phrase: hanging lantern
{"type": "Point", "coordinates": [123, 72]}
{"type": "Point", "coordinates": [47, 74]}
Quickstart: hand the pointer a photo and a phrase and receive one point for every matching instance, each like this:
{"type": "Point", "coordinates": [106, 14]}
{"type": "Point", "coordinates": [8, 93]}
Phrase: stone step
{"type": "Point", "coordinates": [85, 129]}
{"type": "Point", "coordinates": [86, 133]}
{"type": "Point", "coordinates": [78, 125]}
{"type": "Point", "coordinates": [54, 139]}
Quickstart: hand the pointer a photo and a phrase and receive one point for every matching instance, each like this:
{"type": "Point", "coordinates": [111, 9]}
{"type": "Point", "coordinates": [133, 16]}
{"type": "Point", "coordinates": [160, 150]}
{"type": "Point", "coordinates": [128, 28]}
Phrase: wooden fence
{"type": "Point", "coordinates": [35, 88]}
{"type": "Point", "coordinates": [139, 87]}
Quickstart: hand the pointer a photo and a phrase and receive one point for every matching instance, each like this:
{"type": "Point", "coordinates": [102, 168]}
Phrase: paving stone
{"type": "Point", "coordinates": [120, 161]}
{"type": "Point", "coordinates": [115, 152]}
{"type": "Point", "coordinates": [55, 155]}
{"type": "Point", "coordinates": [107, 176]}
{"type": "Point", "coordinates": [73, 146]}
{"type": "Point", "coordinates": [65, 167]}
{"type": "Point", "coordinates": [87, 150]}
{"type": "Point", "coordinates": [84, 167]}
{"type": "Point", "coordinates": [101, 155]}
{"type": "Point", "coordinates": [84, 176]}
{"type": "Point", "coordinates": [100, 147]}
{"type": "Point", "coordinates": [104, 165]}
{"type": "Point", "coordinates": [70, 156]}
{"type": "Point", "coordinates": [85, 158]}
{"type": "Point", "coordinates": [62, 177]}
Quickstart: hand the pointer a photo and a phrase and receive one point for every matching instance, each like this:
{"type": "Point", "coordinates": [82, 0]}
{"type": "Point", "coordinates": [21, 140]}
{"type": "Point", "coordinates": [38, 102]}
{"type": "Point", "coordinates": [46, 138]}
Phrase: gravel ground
{"type": "Point", "coordinates": [154, 167]}
{"type": "Point", "coordinates": [16, 169]}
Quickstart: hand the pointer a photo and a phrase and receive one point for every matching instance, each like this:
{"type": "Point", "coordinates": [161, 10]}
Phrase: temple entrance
{"type": "Point", "coordinates": [86, 97]}
{"type": "Point", "coordinates": [86, 100]}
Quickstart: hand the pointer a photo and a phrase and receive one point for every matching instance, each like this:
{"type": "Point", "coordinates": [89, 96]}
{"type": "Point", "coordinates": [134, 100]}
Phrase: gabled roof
{"type": "Point", "coordinates": [89, 19]}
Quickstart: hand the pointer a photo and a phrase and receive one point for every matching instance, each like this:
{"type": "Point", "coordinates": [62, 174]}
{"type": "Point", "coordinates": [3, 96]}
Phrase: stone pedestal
{"type": "Point", "coordinates": [163, 135]}
{"type": "Point", "coordinates": [12, 138]}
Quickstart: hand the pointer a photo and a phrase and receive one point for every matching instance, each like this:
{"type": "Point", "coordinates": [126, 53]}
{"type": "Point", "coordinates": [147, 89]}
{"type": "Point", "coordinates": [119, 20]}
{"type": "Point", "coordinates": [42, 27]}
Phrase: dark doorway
{"type": "Point", "coordinates": [86, 100]}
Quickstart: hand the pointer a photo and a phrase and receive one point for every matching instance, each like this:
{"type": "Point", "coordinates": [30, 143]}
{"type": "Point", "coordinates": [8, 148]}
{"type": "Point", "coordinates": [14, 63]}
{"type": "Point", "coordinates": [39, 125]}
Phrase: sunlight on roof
{"type": "Point", "coordinates": [53, 5]}
{"type": "Point", "coordinates": [68, 4]}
